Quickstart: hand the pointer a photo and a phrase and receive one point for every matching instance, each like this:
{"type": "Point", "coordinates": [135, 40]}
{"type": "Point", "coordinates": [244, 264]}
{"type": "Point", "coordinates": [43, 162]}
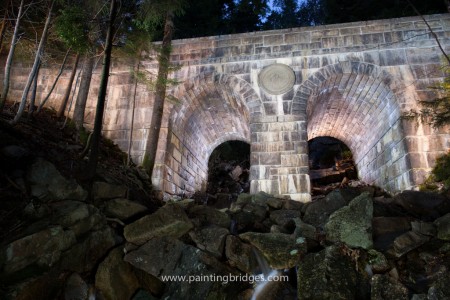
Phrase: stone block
{"type": "Point", "coordinates": [392, 57]}
{"type": "Point", "coordinates": [294, 184]}
{"type": "Point", "coordinates": [273, 39]}
{"type": "Point", "coordinates": [269, 159]}
{"type": "Point", "coordinates": [294, 160]}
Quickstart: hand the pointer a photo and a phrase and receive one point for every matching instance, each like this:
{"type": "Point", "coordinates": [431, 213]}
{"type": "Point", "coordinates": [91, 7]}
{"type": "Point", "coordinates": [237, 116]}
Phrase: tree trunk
{"type": "Point", "coordinates": [61, 69]}
{"type": "Point", "coordinates": [33, 91]}
{"type": "Point", "coordinates": [96, 133]}
{"type": "Point", "coordinates": [62, 108]}
{"type": "Point", "coordinates": [83, 91]}
{"type": "Point", "coordinates": [34, 69]}
{"type": "Point", "coordinates": [133, 104]}
{"type": "Point", "coordinates": [3, 26]}
{"type": "Point", "coordinates": [10, 59]}
{"type": "Point", "coordinates": [160, 95]}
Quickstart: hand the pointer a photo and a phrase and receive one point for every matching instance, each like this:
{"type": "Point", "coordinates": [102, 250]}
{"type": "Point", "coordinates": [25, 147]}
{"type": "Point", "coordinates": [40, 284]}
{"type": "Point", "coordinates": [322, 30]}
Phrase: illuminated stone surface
{"type": "Point", "coordinates": [353, 82]}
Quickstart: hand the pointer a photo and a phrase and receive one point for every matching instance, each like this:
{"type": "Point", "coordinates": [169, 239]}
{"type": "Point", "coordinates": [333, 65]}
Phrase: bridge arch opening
{"type": "Point", "coordinates": [228, 172]}
{"type": "Point", "coordinates": [353, 102]}
{"type": "Point", "coordinates": [212, 110]}
{"type": "Point", "coordinates": [330, 161]}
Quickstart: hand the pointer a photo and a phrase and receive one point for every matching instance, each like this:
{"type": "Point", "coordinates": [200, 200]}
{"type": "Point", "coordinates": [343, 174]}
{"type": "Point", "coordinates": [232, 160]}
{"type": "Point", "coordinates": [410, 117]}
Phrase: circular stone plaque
{"type": "Point", "coordinates": [276, 79]}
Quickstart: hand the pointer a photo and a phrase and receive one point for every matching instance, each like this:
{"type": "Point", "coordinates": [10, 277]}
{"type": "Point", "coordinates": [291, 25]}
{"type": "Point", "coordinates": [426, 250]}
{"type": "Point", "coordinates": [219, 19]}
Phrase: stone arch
{"type": "Point", "coordinates": [212, 108]}
{"type": "Point", "coordinates": [355, 102]}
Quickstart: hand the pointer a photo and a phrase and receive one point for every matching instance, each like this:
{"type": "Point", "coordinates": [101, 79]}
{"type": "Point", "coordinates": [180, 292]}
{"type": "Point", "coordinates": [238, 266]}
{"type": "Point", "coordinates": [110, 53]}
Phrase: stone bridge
{"type": "Point", "coordinates": [278, 89]}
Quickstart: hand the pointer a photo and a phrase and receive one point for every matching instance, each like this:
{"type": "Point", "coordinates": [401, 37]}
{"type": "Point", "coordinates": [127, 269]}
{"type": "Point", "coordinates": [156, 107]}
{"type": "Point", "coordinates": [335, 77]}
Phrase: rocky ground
{"type": "Point", "coordinates": [355, 242]}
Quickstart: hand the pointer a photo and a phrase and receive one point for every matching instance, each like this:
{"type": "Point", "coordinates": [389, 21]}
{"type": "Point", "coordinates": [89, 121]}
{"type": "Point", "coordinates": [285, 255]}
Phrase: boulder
{"type": "Point", "coordinates": [104, 190]}
{"type": "Point", "coordinates": [48, 184]}
{"type": "Point", "coordinates": [385, 287]}
{"type": "Point", "coordinates": [170, 220]}
{"type": "Point", "coordinates": [275, 203]}
{"type": "Point", "coordinates": [330, 274]}
{"type": "Point", "coordinates": [304, 230]}
{"type": "Point", "coordinates": [440, 288]}
{"type": "Point", "coordinates": [86, 254]}
{"type": "Point", "coordinates": [200, 276]}
{"type": "Point", "coordinates": [291, 204]}
{"type": "Point", "coordinates": [76, 288]}
{"type": "Point", "coordinates": [282, 251]}
{"type": "Point", "coordinates": [240, 255]}
{"type": "Point", "coordinates": [426, 206]}
{"type": "Point", "coordinates": [208, 215]}
{"type": "Point", "coordinates": [352, 224]}
{"type": "Point", "coordinates": [443, 227]}
{"type": "Point", "coordinates": [377, 261]}
{"type": "Point", "coordinates": [408, 241]}
{"type": "Point", "coordinates": [386, 229]}
{"type": "Point", "coordinates": [46, 286]}
{"type": "Point", "coordinates": [38, 251]}
{"type": "Point", "coordinates": [210, 239]}
{"type": "Point", "coordinates": [77, 216]}
{"type": "Point", "coordinates": [123, 209]}
{"type": "Point", "coordinates": [423, 228]}
{"type": "Point", "coordinates": [143, 295]}
{"type": "Point", "coordinates": [317, 212]}
{"type": "Point", "coordinates": [258, 212]}
{"type": "Point", "coordinates": [283, 216]}
{"type": "Point", "coordinates": [115, 277]}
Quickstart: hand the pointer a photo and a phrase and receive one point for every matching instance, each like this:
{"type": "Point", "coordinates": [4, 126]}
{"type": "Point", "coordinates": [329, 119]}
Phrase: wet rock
{"type": "Point", "coordinates": [274, 290]}
{"type": "Point", "coordinates": [115, 278]}
{"type": "Point", "coordinates": [283, 216]}
{"type": "Point", "coordinates": [210, 239]}
{"type": "Point", "coordinates": [123, 209]}
{"type": "Point", "coordinates": [104, 190]}
{"type": "Point", "coordinates": [385, 287]}
{"type": "Point", "coordinates": [281, 251]}
{"type": "Point", "coordinates": [317, 212]}
{"type": "Point", "coordinates": [76, 288]}
{"type": "Point", "coordinates": [208, 215]}
{"type": "Point", "coordinates": [78, 216]}
{"type": "Point", "coordinates": [386, 229]}
{"type": "Point", "coordinates": [352, 224]}
{"type": "Point", "coordinates": [329, 274]}
{"type": "Point", "coordinates": [169, 257]}
{"type": "Point", "coordinates": [443, 227]}
{"type": "Point", "coordinates": [86, 254]}
{"type": "Point", "coordinates": [40, 251]}
{"type": "Point", "coordinates": [408, 241]}
{"type": "Point", "coordinates": [240, 255]}
{"type": "Point", "coordinates": [48, 184]}
{"type": "Point", "coordinates": [170, 220]}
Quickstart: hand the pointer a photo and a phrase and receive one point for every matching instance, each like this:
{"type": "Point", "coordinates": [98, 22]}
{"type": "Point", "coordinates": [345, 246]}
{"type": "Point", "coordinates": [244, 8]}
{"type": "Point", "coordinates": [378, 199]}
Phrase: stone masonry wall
{"type": "Point", "coordinates": [351, 81]}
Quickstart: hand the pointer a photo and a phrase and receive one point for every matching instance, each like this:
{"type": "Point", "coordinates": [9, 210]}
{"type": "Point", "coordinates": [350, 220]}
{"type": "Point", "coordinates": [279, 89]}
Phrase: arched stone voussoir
{"type": "Point", "coordinates": [314, 81]}
{"type": "Point", "coordinates": [234, 86]}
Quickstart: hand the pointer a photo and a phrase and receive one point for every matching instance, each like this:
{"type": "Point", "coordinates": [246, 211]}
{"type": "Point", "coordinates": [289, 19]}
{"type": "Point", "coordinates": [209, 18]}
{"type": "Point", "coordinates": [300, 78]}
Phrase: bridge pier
{"type": "Point", "coordinates": [279, 157]}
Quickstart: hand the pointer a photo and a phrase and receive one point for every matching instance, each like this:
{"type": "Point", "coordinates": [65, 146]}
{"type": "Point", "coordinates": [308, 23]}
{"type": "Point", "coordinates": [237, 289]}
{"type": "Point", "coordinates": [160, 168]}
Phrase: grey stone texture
{"type": "Point", "coordinates": [353, 82]}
